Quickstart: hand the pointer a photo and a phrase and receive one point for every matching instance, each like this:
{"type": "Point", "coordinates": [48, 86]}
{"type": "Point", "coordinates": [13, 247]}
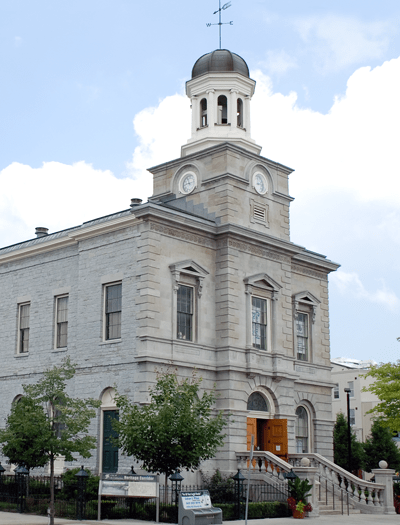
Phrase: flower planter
{"type": "Point", "coordinates": [298, 515]}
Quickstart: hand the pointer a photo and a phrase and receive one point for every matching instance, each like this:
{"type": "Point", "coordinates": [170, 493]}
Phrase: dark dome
{"type": "Point", "coordinates": [220, 60]}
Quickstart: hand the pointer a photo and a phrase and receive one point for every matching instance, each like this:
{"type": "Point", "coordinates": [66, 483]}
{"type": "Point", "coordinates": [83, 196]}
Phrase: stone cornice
{"type": "Point", "coordinates": [226, 146]}
{"type": "Point", "coordinates": [71, 238]}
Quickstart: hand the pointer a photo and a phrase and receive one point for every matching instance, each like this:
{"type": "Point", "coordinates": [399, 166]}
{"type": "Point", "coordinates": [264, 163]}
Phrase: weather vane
{"type": "Point", "coordinates": [225, 6]}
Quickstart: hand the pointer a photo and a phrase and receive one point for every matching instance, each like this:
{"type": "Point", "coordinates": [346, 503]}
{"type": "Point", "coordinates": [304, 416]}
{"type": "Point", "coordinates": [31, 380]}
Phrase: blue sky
{"type": "Point", "coordinates": [92, 93]}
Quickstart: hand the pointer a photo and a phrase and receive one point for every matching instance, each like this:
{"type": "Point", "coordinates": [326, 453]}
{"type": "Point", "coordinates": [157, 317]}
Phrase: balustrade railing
{"type": "Point", "coordinates": [364, 495]}
{"type": "Point", "coordinates": [367, 496]}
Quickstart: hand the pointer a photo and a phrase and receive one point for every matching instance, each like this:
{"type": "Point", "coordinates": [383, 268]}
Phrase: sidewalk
{"type": "Point", "coordinates": [10, 518]}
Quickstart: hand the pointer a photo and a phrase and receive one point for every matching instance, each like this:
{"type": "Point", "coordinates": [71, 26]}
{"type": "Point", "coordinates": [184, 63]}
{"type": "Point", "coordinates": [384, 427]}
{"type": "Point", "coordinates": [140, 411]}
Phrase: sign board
{"type": "Point", "coordinates": [128, 485]}
{"type": "Point", "coordinates": [196, 500]}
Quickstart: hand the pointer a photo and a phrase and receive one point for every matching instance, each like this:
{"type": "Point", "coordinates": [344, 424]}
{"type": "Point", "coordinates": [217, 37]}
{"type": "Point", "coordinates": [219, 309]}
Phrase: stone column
{"type": "Point", "coordinates": [232, 117]}
{"type": "Point", "coordinates": [195, 115]}
{"type": "Point", "coordinates": [310, 473]}
{"type": "Point", "coordinates": [211, 108]}
{"type": "Point", "coordinates": [384, 476]}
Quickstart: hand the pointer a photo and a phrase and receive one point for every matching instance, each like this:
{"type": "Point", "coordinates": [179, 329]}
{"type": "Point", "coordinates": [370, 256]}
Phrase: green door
{"type": "Point", "coordinates": [110, 451]}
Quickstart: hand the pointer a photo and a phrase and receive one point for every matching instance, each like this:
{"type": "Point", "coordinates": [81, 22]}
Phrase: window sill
{"type": "Point", "coordinates": [22, 354]}
{"type": "Point", "coordinates": [63, 349]}
{"type": "Point", "coordinates": [110, 342]}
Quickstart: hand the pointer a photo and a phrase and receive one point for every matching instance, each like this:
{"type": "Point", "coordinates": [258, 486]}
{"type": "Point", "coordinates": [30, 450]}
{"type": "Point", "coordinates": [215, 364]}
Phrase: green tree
{"type": "Point", "coordinates": [340, 446]}
{"type": "Point", "coordinates": [380, 445]}
{"type": "Point", "coordinates": [47, 423]}
{"type": "Point", "coordinates": [176, 430]}
{"type": "Point", "coordinates": [387, 388]}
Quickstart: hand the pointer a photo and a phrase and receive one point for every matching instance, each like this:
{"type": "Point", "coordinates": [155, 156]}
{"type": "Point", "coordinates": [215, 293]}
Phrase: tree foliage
{"type": "Point", "coordinates": [340, 446]}
{"type": "Point", "coordinates": [46, 422]}
{"type": "Point", "coordinates": [380, 445]}
{"type": "Point", "coordinates": [387, 388]}
{"type": "Point", "coordinates": [177, 430]}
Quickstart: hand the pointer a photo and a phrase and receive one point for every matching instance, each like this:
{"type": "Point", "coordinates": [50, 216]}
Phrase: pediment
{"type": "Point", "coordinates": [264, 281]}
{"type": "Point", "coordinates": [306, 298]}
{"type": "Point", "coordinates": [189, 267]}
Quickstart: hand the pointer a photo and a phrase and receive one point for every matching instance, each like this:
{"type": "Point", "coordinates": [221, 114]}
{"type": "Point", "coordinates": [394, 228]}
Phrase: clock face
{"type": "Point", "coordinates": [188, 182]}
{"type": "Point", "coordinates": [260, 183]}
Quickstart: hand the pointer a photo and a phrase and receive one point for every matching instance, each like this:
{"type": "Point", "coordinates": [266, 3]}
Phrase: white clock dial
{"type": "Point", "coordinates": [260, 184]}
{"type": "Point", "coordinates": [188, 183]}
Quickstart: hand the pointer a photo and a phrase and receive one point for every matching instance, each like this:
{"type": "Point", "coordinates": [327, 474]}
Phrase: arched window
{"type": "Point", "coordinates": [257, 402]}
{"type": "Point", "coordinates": [222, 110]}
{"type": "Point", "coordinates": [240, 113]}
{"type": "Point", "coordinates": [203, 113]}
{"type": "Point", "coordinates": [302, 434]}
{"type": "Point", "coordinates": [109, 413]}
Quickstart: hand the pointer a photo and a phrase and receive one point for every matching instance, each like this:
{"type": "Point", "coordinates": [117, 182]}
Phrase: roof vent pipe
{"type": "Point", "coordinates": [135, 202]}
{"type": "Point", "coordinates": [41, 232]}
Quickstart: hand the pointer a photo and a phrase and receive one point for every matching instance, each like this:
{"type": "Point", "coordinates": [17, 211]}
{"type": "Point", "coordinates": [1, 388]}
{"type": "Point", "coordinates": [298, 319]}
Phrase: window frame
{"type": "Point", "coordinates": [263, 287]}
{"type": "Point", "coordinates": [305, 338]}
{"type": "Point", "coordinates": [350, 385]}
{"type": "Point", "coordinates": [336, 391]}
{"type": "Point", "coordinates": [308, 430]}
{"type": "Point", "coordinates": [304, 303]}
{"type": "Point", "coordinates": [190, 274]}
{"type": "Point", "coordinates": [191, 314]}
{"type": "Point", "coordinates": [19, 345]}
{"type": "Point", "coordinates": [56, 323]}
{"type": "Point", "coordinates": [267, 324]}
{"type": "Point", "coordinates": [105, 313]}
{"type": "Point", "coordinates": [352, 417]}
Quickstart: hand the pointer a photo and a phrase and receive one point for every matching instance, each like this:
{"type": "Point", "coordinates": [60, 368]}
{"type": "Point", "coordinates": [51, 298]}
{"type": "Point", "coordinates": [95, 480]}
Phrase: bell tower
{"type": "Point", "coordinates": [220, 91]}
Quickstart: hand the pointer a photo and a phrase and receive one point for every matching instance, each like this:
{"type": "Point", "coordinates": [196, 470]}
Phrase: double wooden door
{"type": "Point", "coordinates": [269, 434]}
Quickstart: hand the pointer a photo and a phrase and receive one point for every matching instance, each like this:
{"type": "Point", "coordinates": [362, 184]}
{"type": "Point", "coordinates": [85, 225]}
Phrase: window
{"type": "Point", "coordinates": [261, 290]}
{"type": "Point", "coordinates": [203, 113]}
{"type": "Point", "coordinates": [305, 309]}
{"type": "Point", "coordinates": [302, 336]}
{"type": "Point", "coordinates": [336, 394]}
{"type": "Point", "coordinates": [350, 385]}
{"type": "Point", "coordinates": [187, 283]}
{"type": "Point", "coordinates": [259, 323]}
{"type": "Point", "coordinates": [185, 313]}
{"type": "Point", "coordinates": [113, 303]}
{"type": "Point", "coordinates": [257, 402]}
{"type": "Point", "coordinates": [61, 321]}
{"type": "Point", "coordinates": [352, 417]}
{"type": "Point", "coordinates": [222, 110]}
{"type": "Point", "coordinates": [23, 322]}
{"type": "Point", "coordinates": [301, 430]}
{"type": "Point", "coordinates": [239, 113]}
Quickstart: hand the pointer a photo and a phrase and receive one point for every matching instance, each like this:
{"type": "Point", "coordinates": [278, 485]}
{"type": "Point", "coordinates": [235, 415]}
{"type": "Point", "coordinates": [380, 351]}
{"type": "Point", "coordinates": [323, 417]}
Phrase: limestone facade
{"type": "Point", "coordinates": [227, 239]}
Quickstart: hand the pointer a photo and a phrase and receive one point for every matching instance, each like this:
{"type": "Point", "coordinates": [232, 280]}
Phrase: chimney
{"type": "Point", "coordinates": [41, 232]}
{"type": "Point", "coordinates": [135, 202]}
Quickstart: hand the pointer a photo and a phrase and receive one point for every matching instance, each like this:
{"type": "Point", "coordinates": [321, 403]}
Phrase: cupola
{"type": "Point", "coordinates": [220, 91]}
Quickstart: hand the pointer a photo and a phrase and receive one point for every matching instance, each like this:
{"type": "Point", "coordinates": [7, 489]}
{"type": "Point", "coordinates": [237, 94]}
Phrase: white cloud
{"type": "Point", "coordinates": [161, 131]}
{"type": "Point", "coordinates": [278, 62]}
{"type": "Point", "coordinates": [352, 149]}
{"type": "Point", "coordinates": [59, 196]}
{"type": "Point", "coordinates": [350, 284]}
{"type": "Point", "coordinates": [339, 41]}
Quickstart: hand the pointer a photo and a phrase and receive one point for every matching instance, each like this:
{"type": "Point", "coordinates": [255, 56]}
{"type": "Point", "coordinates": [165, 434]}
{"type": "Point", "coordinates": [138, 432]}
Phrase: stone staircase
{"type": "Point", "coordinates": [332, 504]}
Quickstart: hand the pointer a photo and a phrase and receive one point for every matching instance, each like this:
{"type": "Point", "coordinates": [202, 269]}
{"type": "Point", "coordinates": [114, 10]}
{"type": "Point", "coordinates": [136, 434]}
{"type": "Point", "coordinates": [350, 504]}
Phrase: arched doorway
{"type": "Point", "coordinates": [270, 434]}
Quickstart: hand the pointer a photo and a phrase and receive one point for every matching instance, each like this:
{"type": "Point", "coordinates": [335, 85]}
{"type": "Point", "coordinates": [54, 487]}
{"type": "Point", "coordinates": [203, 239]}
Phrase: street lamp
{"type": "Point", "coordinates": [348, 390]}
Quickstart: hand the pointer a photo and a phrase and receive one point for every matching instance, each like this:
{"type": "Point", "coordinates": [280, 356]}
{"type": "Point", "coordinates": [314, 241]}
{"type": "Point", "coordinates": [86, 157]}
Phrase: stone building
{"type": "Point", "coordinates": [202, 275]}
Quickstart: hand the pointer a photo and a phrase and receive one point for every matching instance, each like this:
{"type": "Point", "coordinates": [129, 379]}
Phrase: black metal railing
{"type": "Point", "coordinates": [265, 500]}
